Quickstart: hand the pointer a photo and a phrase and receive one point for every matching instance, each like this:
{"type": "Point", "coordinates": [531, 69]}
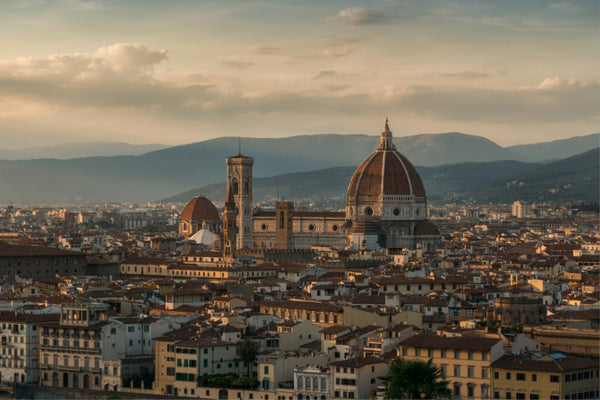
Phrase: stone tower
{"type": "Point", "coordinates": [284, 225]}
{"type": "Point", "coordinates": [239, 180]}
{"type": "Point", "coordinates": [229, 226]}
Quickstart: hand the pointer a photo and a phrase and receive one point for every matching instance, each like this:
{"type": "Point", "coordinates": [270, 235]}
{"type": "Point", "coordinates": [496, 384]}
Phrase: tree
{"type": "Point", "coordinates": [248, 352]}
{"type": "Point", "coordinates": [414, 379]}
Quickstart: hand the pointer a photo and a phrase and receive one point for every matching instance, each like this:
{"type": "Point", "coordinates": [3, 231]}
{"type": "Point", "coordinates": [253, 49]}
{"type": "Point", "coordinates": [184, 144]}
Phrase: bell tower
{"type": "Point", "coordinates": [239, 181]}
{"type": "Point", "coordinates": [284, 221]}
{"type": "Point", "coordinates": [230, 226]}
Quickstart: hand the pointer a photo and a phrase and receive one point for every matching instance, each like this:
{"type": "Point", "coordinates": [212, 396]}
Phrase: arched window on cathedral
{"type": "Point", "coordinates": [235, 186]}
{"type": "Point", "coordinates": [246, 187]}
{"type": "Point", "coordinates": [281, 219]}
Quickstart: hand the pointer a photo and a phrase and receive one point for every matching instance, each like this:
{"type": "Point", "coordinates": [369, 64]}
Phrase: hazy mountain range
{"type": "Point", "coordinates": [166, 172]}
{"type": "Point", "coordinates": [574, 178]}
{"type": "Point", "coordinates": [79, 150]}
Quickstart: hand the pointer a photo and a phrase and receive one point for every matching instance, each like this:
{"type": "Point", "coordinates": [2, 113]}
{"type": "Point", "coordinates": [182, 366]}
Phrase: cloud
{"type": "Point", "coordinates": [264, 50]}
{"type": "Point", "coordinates": [565, 6]}
{"type": "Point", "coordinates": [553, 82]}
{"type": "Point", "coordinates": [466, 75]}
{"type": "Point", "coordinates": [362, 16]}
{"type": "Point", "coordinates": [550, 102]}
{"type": "Point", "coordinates": [335, 47]}
{"type": "Point", "coordinates": [125, 60]}
{"type": "Point", "coordinates": [120, 75]}
{"type": "Point", "coordinates": [237, 64]}
{"type": "Point", "coordinates": [326, 74]}
{"type": "Point", "coordinates": [120, 80]}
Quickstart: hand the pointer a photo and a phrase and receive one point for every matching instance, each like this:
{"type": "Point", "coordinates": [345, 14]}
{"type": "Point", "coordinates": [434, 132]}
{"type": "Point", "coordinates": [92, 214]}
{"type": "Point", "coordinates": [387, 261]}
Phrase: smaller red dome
{"type": "Point", "coordinates": [200, 209]}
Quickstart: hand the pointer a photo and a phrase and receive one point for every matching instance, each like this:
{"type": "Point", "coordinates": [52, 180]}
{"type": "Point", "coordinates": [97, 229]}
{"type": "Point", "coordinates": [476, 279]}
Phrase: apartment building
{"type": "Point", "coordinates": [181, 356]}
{"type": "Point", "coordinates": [75, 350]}
{"type": "Point", "coordinates": [465, 361]}
{"type": "Point", "coordinates": [19, 341]}
{"type": "Point", "coordinates": [553, 376]}
{"type": "Point", "coordinates": [357, 378]}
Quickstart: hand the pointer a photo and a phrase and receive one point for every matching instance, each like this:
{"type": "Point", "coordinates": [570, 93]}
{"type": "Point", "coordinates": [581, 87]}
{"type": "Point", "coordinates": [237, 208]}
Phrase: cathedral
{"type": "Point", "coordinates": [386, 207]}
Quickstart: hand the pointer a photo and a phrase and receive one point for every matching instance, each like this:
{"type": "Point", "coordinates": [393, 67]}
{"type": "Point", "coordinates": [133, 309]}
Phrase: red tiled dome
{"type": "Point", "coordinates": [386, 172]}
{"type": "Point", "coordinates": [200, 209]}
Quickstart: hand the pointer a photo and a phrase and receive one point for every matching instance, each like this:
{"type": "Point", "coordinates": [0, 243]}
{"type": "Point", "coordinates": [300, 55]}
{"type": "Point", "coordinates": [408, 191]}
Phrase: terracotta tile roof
{"type": "Point", "coordinates": [530, 362]}
{"type": "Point", "coordinates": [9, 250]}
{"type": "Point", "coordinates": [443, 342]}
{"type": "Point", "coordinates": [357, 362]}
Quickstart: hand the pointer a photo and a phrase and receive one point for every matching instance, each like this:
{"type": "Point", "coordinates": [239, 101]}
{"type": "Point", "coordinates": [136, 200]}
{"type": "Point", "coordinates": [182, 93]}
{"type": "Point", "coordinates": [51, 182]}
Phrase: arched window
{"type": "Point", "coordinates": [281, 219]}
{"type": "Point", "coordinates": [235, 185]}
{"type": "Point", "coordinates": [246, 187]}
{"type": "Point", "coordinates": [300, 381]}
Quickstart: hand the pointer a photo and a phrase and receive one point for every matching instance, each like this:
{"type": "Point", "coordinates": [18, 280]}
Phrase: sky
{"type": "Point", "coordinates": [176, 72]}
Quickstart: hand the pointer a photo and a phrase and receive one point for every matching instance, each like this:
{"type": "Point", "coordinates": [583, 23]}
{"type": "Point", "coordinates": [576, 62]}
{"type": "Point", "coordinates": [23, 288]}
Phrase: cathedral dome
{"type": "Point", "coordinates": [386, 172]}
{"type": "Point", "coordinates": [200, 209]}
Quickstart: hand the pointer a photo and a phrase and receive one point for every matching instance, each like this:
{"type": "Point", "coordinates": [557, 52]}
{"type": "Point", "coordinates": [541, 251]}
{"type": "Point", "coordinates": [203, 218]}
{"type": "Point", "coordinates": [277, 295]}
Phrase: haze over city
{"type": "Point", "coordinates": [179, 72]}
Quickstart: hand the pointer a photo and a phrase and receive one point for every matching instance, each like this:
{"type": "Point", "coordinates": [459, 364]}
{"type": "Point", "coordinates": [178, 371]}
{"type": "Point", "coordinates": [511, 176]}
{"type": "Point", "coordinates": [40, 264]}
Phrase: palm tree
{"type": "Point", "coordinates": [248, 352]}
{"type": "Point", "coordinates": [414, 379]}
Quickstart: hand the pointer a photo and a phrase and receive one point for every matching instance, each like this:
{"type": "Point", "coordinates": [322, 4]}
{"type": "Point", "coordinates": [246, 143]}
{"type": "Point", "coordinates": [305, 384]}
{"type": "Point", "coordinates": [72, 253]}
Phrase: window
{"type": "Point", "coordinates": [470, 391]}
{"type": "Point", "coordinates": [484, 356]}
{"type": "Point", "coordinates": [554, 378]}
{"type": "Point", "coordinates": [508, 376]}
{"type": "Point", "coordinates": [534, 377]}
{"type": "Point", "coordinates": [470, 355]}
{"type": "Point", "coordinates": [496, 394]}
{"type": "Point", "coordinates": [456, 354]}
{"type": "Point", "coordinates": [520, 377]}
{"type": "Point", "coordinates": [456, 390]}
{"type": "Point", "coordinates": [266, 369]}
{"type": "Point", "coordinates": [457, 370]}
{"type": "Point", "coordinates": [534, 396]}
{"type": "Point", "coordinates": [508, 395]}
{"type": "Point", "coordinates": [131, 329]}
{"type": "Point", "coordinates": [520, 396]}
{"type": "Point", "coordinates": [484, 373]}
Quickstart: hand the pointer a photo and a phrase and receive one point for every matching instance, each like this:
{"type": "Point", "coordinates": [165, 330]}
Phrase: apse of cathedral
{"type": "Point", "coordinates": [386, 207]}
